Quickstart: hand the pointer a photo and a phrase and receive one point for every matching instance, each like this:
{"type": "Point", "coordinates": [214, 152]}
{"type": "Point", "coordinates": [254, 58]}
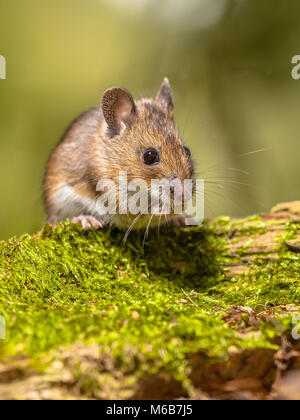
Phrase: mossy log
{"type": "Point", "coordinates": [198, 312]}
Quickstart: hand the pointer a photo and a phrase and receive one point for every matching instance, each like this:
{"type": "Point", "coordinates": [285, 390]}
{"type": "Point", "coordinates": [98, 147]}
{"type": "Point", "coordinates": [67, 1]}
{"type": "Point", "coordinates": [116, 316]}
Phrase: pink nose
{"type": "Point", "coordinates": [186, 191]}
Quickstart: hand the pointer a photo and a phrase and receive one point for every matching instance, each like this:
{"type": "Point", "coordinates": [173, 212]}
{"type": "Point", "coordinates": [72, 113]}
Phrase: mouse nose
{"type": "Point", "coordinates": [172, 186]}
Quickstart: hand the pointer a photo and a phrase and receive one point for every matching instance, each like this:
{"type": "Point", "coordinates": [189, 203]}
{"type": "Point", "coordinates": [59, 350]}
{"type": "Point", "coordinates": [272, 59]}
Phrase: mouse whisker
{"type": "Point", "coordinates": [147, 230]}
{"type": "Point", "coordinates": [158, 226]}
{"type": "Point", "coordinates": [229, 181]}
{"type": "Point", "coordinates": [241, 171]}
{"type": "Point", "coordinates": [219, 196]}
{"type": "Point", "coordinates": [130, 228]}
{"type": "Point", "coordinates": [253, 152]}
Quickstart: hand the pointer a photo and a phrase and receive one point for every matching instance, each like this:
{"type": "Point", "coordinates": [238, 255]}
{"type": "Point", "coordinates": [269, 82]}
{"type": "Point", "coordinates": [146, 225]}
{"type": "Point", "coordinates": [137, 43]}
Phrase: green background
{"type": "Point", "coordinates": [229, 63]}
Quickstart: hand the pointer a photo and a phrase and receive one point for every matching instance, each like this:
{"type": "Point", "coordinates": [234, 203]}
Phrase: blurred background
{"type": "Point", "coordinates": [229, 64]}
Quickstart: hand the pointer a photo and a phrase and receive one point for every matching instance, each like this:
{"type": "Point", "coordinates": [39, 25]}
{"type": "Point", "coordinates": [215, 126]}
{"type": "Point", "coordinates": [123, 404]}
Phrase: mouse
{"type": "Point", "coordinates": [135, 137]}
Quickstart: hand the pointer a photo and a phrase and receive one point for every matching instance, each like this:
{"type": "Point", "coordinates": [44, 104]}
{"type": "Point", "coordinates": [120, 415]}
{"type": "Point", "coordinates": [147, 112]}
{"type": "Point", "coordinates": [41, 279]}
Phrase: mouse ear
{"type": "Point", "coordinates": [164, 96]}
{"type": "Point", "coordinates": [118, 108]}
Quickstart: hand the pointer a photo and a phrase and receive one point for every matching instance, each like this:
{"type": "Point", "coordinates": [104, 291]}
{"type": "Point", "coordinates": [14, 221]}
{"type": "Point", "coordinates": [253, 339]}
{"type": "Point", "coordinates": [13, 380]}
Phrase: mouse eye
{"type": "Point", "coordinates": [187, 152]}
{"type": "Point", "coordinates": [151, 156]}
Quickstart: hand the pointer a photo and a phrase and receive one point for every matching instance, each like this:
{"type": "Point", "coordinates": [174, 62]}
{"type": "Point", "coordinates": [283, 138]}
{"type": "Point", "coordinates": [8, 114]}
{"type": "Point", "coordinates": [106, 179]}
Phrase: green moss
{"type": "Point", "coordinates": [249, 226]}
{"type": "Point", "coordinates": [151, 308]}
{"type": "Point", "coordinates": [291, 231]}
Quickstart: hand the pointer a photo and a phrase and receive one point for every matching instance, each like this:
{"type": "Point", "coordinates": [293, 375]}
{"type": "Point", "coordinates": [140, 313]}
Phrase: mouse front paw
{"type": "Point", "coordinates": [182, 221]}
{"type": "Point", "coordinates": [87, 221]}
{"type": "Point", "coordinates": [178, 221]}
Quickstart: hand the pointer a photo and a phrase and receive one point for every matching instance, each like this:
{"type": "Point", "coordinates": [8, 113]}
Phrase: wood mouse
{"type": "Point", "coordinates": [139, 137]}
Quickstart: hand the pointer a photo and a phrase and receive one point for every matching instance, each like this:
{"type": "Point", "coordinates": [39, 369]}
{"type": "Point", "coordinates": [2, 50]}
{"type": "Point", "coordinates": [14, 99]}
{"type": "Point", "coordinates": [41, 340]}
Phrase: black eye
{"type": "Point", "coordinates": [187, 152]}
{"type": "Point", "coordinates": [151, 156]}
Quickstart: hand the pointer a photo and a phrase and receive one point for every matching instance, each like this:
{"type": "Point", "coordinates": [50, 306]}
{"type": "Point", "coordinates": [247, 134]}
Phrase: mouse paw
{"type": "Point", "coordinates": [87, 221]}
{"type": "Point", "coordinates": [181, 221]}
{"type": "Point", "coordinates": [178, 221]}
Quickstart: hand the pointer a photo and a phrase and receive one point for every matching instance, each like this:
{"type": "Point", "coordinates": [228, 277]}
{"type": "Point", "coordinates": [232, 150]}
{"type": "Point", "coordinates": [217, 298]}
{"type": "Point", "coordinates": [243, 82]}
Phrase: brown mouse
{"type": "Point", "coordinates": [138, 137]}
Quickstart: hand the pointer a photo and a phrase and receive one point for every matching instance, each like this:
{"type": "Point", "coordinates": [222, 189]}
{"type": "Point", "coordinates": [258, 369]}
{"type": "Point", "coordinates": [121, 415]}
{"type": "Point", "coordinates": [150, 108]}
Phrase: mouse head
{"type": "Point", "coordinates": [144, 140]}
